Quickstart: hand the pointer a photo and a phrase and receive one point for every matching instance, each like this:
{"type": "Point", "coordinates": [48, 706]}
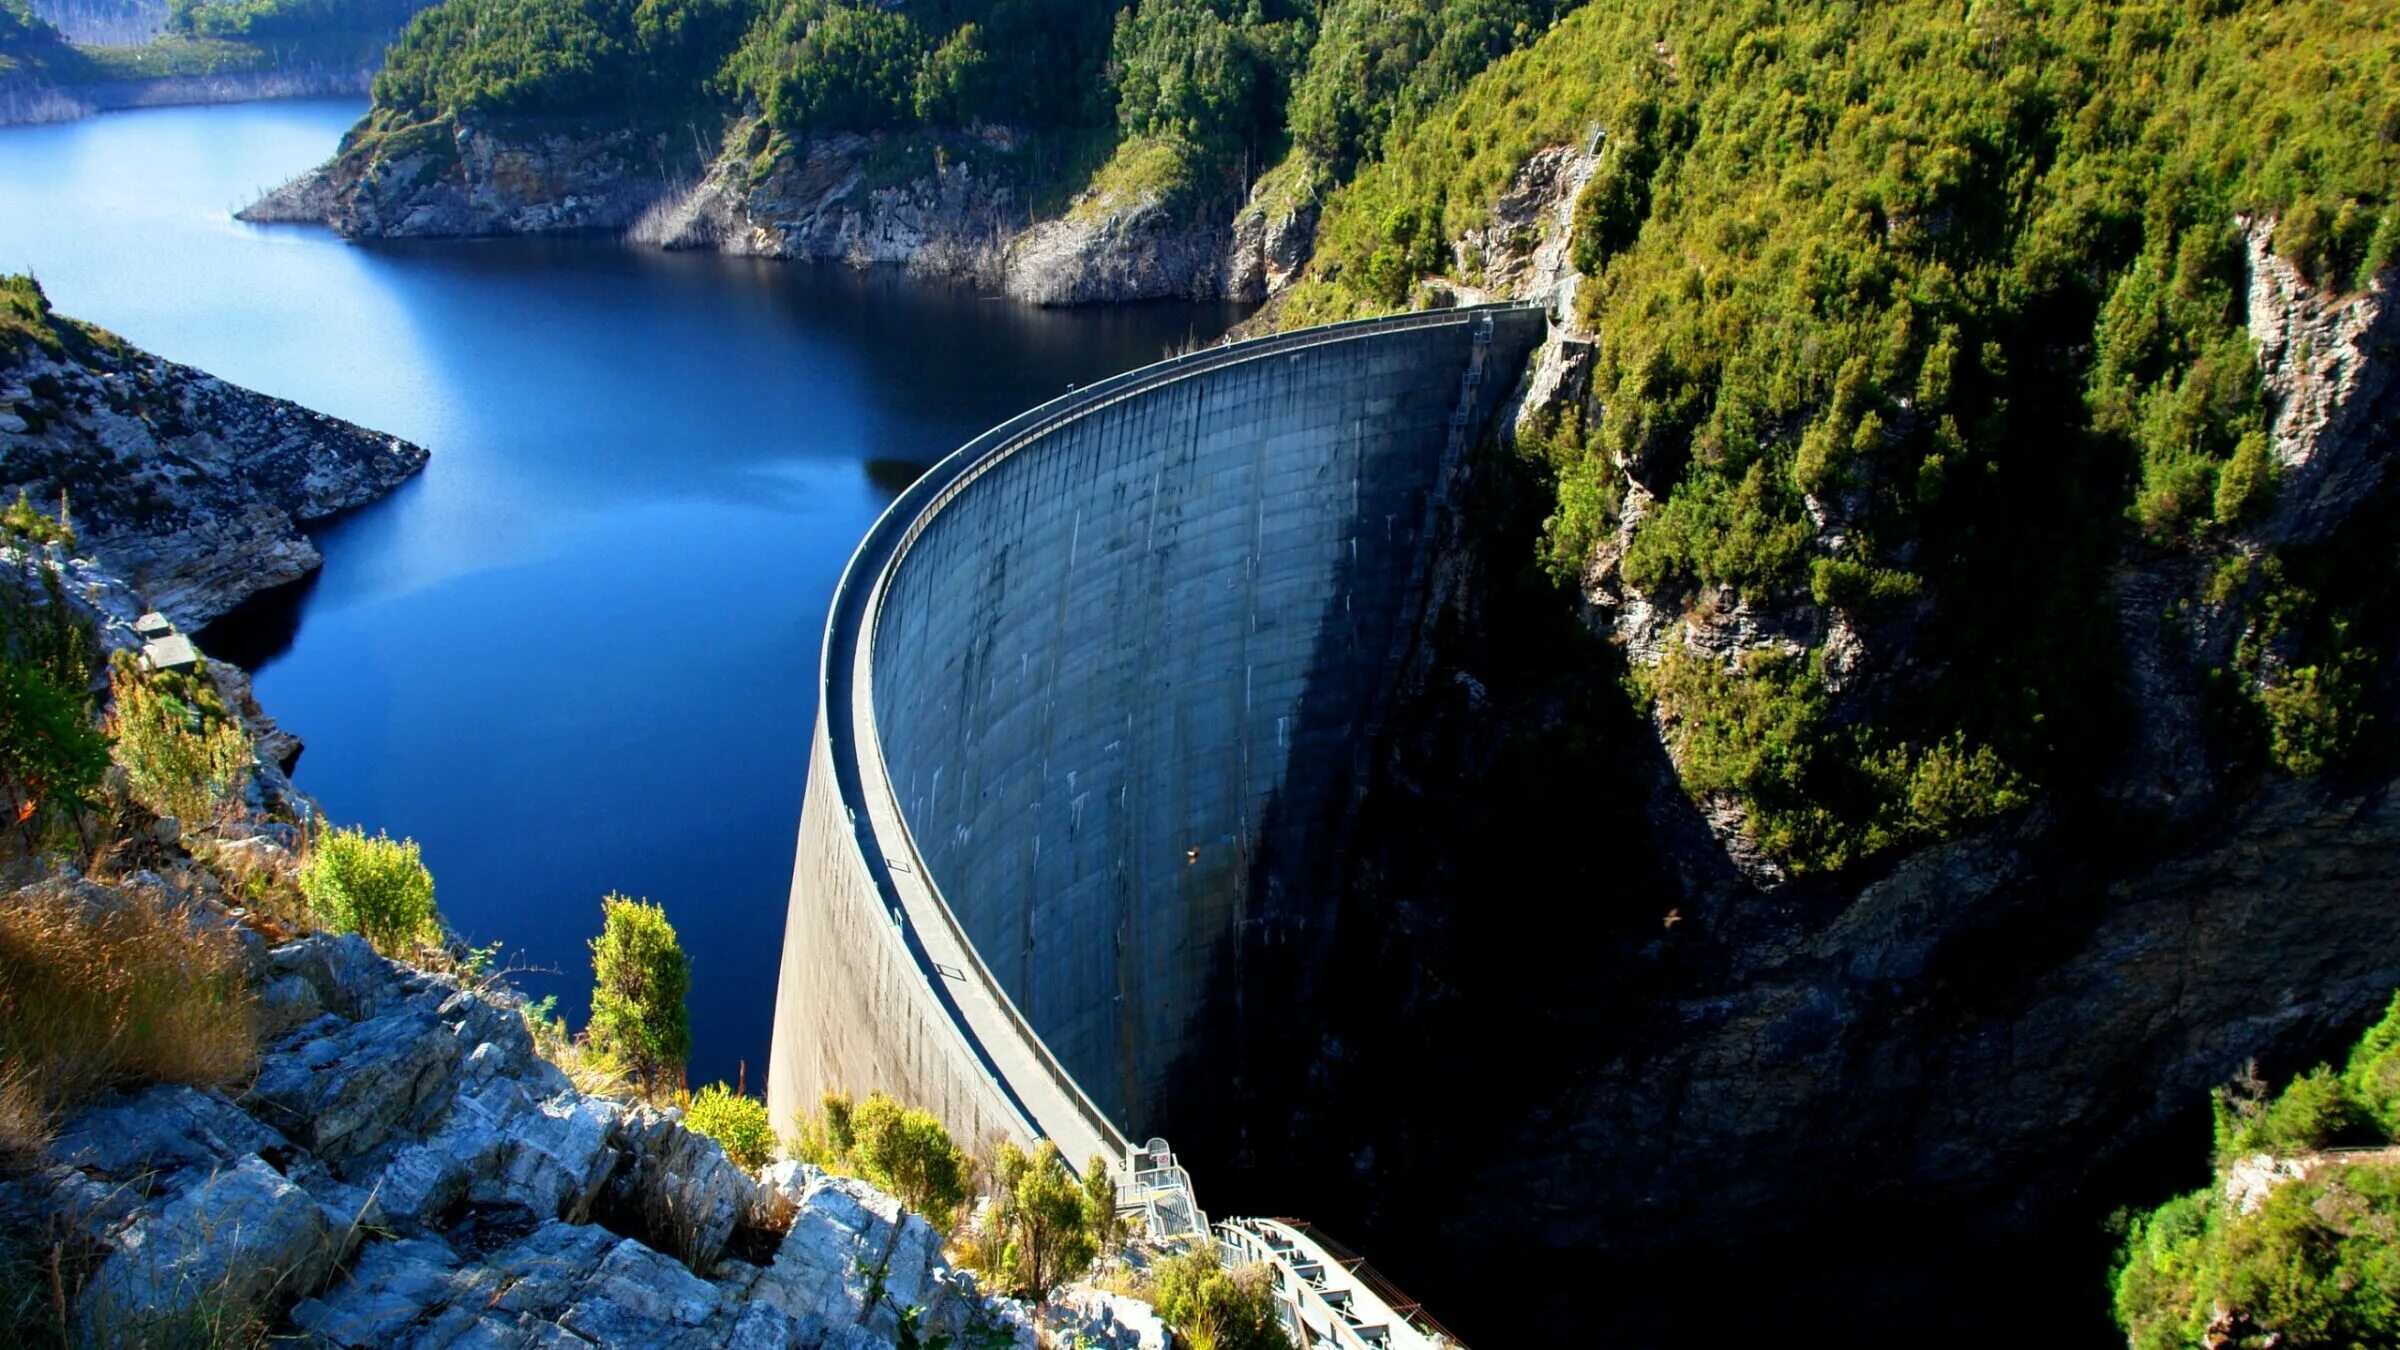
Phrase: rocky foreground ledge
{"type": "Point", "coordinates": [406, 1170]}
{"type": "Point", "coordinates": [191, 489]}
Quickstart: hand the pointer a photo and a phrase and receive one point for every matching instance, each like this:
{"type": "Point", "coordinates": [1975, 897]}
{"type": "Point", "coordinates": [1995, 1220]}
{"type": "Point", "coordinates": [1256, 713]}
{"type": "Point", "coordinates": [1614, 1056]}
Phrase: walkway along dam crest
{"type": "Point", "coordinates": [1096, 690]}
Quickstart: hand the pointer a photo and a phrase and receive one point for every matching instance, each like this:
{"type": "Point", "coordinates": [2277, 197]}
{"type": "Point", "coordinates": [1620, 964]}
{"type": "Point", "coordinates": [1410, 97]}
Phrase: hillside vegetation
{"type": "Point", "coordinates": [205, 38]}
{"type": "Point", "coordinates": [1187, 99]}
{"type": "Point", "coordinates": [1915, 313]}
{"type": "Point", "coordinates": [2292, 1245]}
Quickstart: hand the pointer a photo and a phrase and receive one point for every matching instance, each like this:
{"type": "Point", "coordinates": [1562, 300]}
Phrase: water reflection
{"type": "Point", "coordinates": [576, 655]}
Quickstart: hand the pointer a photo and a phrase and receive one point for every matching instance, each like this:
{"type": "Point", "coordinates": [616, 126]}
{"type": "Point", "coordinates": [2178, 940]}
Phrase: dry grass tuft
{"type": "Point", "coordinates": [100, 991]}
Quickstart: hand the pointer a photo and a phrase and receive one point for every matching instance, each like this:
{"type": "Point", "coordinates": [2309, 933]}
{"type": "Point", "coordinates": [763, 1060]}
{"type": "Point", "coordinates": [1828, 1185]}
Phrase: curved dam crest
{"type": "Point", "coordinates": [1096, 692]}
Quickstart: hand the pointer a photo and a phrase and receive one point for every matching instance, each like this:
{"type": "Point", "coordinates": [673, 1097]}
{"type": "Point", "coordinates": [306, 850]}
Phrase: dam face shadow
{"type": "Point", "coordinates": [1122, 678]}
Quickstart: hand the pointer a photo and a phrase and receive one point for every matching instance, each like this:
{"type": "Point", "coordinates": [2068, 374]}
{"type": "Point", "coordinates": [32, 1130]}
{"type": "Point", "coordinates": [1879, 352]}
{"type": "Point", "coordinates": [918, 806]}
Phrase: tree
{"type": "Point", "coordinates": [375, 887]}
{"type": "Point", "coordinates": [1212, 1308]}
{"type": "Point", "coordinates": [907, 1152]}
{"type": "Point", "coordinates": [1047, 1225]}
{"type": "Point", "coordinates": [639, 978]}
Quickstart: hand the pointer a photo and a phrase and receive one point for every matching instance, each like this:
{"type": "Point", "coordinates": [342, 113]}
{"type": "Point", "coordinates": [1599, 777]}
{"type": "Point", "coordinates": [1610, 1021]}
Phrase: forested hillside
{"type": "Point", "coordinates": [1205, 94]}
{"type": "Point", "coordinates": [198, 50]}
{"type": "Point", "coordinates": [1915, 313]}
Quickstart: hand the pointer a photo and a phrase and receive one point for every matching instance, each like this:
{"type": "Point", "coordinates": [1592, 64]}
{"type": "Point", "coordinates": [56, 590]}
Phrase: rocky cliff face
{"type": "Point", "coordinates": [937, 215]}
{"type": "Point", "coordinates": [405, 1170]}
{"type": "Point", "coordinates": [459, 182]}
{"type": "Point", "coordinates": [1732, 1075]}
{"type": "Point", "coordinates": [192, 489]}
{"type": "Point", "coordinates": [944, 204]}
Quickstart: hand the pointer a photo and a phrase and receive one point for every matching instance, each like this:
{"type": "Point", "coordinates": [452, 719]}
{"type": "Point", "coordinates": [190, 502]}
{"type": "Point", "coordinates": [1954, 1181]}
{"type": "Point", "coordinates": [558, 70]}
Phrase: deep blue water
{"type": "Point", "coordinates": [576, 655]}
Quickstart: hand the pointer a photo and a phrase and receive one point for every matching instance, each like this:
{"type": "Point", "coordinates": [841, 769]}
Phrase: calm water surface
{"type": "Point", "coordinates": [576, 655]}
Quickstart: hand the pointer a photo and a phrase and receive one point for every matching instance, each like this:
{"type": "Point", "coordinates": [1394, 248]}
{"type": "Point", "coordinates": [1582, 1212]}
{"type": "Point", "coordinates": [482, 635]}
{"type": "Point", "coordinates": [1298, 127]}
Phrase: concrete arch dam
{"type": "Point", "coordinates": [1096, 689]}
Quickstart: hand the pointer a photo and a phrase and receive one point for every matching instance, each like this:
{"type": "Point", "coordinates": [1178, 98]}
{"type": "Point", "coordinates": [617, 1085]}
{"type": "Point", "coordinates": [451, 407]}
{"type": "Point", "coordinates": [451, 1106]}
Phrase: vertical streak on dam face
{"type": "Point", "coordinates": [1104, 661]}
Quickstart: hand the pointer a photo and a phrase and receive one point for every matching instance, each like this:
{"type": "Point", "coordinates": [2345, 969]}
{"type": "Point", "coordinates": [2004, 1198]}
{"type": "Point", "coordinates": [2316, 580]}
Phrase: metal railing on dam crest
{"type": "Point", "coordinates": [1092, 697]}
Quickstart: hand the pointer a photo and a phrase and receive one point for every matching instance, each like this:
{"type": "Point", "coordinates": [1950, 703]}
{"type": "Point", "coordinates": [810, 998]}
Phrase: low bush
{"type": "Point", "coordinates": [738, 1122]}
{"type": "Point", "coordinates": [898, 1148]}
{"type": "Point", "coordinates": [184, 754]}
{"type": "Point", "coordinates": [376, 887]}
{"type": "Point", "coordinates": [1212, 1308]}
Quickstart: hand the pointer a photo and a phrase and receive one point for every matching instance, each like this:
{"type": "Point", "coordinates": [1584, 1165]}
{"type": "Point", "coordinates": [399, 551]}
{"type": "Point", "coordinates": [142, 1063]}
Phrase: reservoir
{"type": "Point", "coordinates": [577, 655]}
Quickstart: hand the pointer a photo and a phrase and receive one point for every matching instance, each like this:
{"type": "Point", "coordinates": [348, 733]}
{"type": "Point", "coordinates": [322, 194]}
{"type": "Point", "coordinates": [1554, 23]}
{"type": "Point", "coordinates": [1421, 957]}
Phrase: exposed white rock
{"type": "Point", "coordinates": [407, 1171]}
{"type": "Point", "coordinates": [2323, 359]}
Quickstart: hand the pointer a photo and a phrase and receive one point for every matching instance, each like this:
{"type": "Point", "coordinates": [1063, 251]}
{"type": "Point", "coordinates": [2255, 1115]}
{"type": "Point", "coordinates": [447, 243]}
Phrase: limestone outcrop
{"type": "Point", "coordinates": [940, 216]}
{"type": "Point", "coordinates": [192, 490]}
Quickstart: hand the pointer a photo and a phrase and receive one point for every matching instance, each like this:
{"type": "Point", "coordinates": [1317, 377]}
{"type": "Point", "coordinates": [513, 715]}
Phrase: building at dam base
{"type": "Point", "coordinates": [1097, 691]}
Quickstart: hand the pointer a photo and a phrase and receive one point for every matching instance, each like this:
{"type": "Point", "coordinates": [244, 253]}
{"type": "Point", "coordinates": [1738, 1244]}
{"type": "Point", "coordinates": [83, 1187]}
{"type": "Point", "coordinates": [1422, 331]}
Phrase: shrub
{"type": "Point", "coordinates": [736, 1121]}
{"type": "Point", "coordinates": [97, 994]}
{"type": "Point", "coordinates": [49, 751]}
{"type": "Point", "coordinates": [825, 1140]}
{"type": "Point", "coordinates": [1046, 1222]}
{"type": "Point", "coordinates": [374, 887]}
{"type": "Point", "coordinates": [907, 1152]}
{"type": "Point", "coordinates": [50, 754]}
{"type": "Point", "coordinates": [1213, 1308]}
{"type": "Point", "coordinates": [2313, 717]}
{"type": "Point", "coordinates": [184, 755]}
{"type": "Point", "coordinates": [900, 1149]}
{"type": "Point", "coordinates": [2372, 1076]}
{"type": "Point", "coordinates": [639, 978]}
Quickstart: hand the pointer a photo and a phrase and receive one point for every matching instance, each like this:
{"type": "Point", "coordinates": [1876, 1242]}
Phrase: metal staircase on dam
{"type": "Point", "coordinates": [1328, 1297]}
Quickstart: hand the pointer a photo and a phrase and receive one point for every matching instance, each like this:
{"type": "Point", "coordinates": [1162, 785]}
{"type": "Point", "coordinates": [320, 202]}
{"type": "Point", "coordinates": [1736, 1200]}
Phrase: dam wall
{"type": "Point", "coordinates": [1096, 690]}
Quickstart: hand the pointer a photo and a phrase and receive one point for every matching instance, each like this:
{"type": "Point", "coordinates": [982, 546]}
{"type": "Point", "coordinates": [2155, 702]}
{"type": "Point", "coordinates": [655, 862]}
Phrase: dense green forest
{"type": "Point", "coordinates": [1966, 279]}
{"type": "Point", "coordinates": [1204, 93]}
{"type": "Point", "coordinates": [313, 23]}
{"type": "Point", "coordinates": [2302, 1248]}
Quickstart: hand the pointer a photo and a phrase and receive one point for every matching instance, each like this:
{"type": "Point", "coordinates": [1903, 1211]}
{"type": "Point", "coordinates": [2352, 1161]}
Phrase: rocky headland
{"type": "Point", "coordinates": [195, 491]}
{"type": "Point", "coordinates": [953, 204]}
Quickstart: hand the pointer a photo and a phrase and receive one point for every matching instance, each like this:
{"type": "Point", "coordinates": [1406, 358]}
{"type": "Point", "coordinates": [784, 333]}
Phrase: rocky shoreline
{"type": "Point", "coordinates": [193, 490]}
{"type": "Point", "coordinates": [950, 210]}
{"type": "Point", "coordinates": [25, 103]}
{"type": "Point", "coordinates": [405, 1169]}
